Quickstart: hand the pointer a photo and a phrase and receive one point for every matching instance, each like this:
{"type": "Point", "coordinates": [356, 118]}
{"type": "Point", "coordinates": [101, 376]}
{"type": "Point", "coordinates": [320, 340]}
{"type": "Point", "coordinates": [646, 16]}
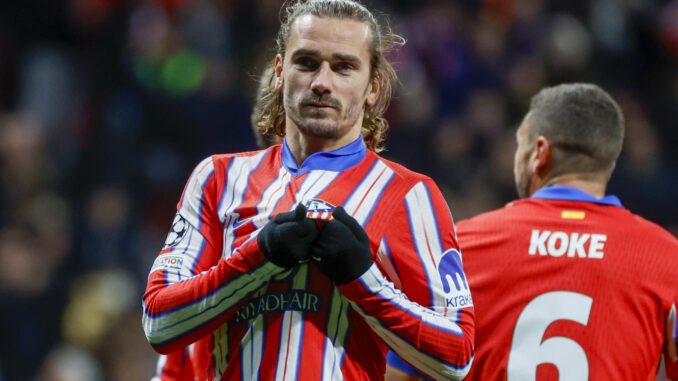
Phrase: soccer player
{"type": "Point", "coordinates": [306, 260]}
{"type": "Point", "coordinates": [567, 283]}
{"type": "Point", "coordinates": [178, 365]}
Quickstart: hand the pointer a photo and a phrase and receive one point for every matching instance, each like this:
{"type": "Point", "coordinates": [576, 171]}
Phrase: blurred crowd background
{"type": "Point", "coordinates": [107, 105]}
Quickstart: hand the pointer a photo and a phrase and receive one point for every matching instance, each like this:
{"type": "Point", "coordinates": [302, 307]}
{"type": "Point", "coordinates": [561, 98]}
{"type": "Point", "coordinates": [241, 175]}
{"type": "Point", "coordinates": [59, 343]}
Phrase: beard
{"type": "Point", "coordinates": [321, 123]}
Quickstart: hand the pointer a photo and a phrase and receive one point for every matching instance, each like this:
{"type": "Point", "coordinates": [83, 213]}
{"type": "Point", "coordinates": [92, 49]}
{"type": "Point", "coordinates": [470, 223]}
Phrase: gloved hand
{"type": "Point", "coordinates": [342, 250]}
{"type": "Point", "coordinates": [285, 240]}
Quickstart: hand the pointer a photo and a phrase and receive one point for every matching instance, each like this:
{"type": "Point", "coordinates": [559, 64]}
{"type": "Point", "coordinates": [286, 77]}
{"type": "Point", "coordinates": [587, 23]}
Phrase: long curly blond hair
{"type": "Point", "coordinates": [269, 112]}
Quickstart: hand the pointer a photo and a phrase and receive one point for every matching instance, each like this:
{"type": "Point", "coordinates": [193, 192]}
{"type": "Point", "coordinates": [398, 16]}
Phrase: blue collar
{"type": "Point", "coordinates": [337, 160]}
{"type": "Point", "coordinates": [560, 192]}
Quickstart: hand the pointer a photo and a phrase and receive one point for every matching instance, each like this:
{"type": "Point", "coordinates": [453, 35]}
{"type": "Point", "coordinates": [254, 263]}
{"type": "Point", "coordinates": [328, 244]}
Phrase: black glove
{"type": "Point", "coordinates": [285, 240]}
{"type": "Point", "coordinates": [342, 251]}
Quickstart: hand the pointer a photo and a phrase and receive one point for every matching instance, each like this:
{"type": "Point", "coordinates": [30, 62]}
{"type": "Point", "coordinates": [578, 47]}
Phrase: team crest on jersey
{"type": "Point", "coordinates": [457, 292]}
{"type": "Point", "coordinates": [318, 209]}
{"type": "Point", "coordinates": [177, 232]}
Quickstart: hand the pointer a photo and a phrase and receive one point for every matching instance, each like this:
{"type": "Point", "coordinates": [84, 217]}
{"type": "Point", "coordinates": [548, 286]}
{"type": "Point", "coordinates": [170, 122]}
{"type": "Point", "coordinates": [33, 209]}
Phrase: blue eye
{"type": "Point", "coordinates": [343, 67]}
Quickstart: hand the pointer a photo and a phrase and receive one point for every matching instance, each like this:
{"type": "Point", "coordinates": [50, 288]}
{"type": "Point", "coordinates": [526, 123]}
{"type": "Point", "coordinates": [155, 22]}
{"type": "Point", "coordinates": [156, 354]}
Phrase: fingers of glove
{"type": "Point", "coordinates": [303, 231]}
{"type": "Point", "coordinates": [321, 251]}
{"type": "Point", "coordinates": [340, 215]}
{"type": "Point", "coordinates": [297, 214]}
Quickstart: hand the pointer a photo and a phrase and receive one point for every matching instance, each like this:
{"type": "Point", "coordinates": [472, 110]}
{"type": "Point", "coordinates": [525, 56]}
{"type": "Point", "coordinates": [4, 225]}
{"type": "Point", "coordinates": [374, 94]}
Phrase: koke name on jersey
{"type": "Point", "coordinates": [557, 244]}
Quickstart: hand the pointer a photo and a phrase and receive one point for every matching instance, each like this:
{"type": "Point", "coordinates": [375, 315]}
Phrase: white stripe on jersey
{"type": "Point", "coordinates": [237, 180]}
{"type": "Point", "coordinates": [252, 344]}
{"type": "Point", "coordinates": [337, 329]}
{"type": "Point", "coordinates": [292, 333]}
{"type": "Point", "coordinates": [315, 182]}
{"type": "Point", "coordinates": [160, 328]}
{"type": "Point", "coordinates": [252, 349]}
{"type": "Point", "coordinates": [427, 241]}
{"type": "Point", "coordinates": [190, 206]}
{"type": "Point", "coordinates": [270, 197]}
{"type": "Point", "coordinates": [375, 282]}
{"type": "Point", "coordinates": [162, 360]}
{"type": "Point", "coordinates": [386, 262]}
{"type": "Point", "coordinates": [365, 196]}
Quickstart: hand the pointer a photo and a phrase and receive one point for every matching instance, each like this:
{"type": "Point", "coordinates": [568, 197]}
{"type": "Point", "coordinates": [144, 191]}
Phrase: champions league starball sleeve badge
{"type": "Point", "coordinates": [319, 210]}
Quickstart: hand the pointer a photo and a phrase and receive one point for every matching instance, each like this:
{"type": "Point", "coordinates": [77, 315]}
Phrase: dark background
{"type": "Point", "coordinates": [106, 106]}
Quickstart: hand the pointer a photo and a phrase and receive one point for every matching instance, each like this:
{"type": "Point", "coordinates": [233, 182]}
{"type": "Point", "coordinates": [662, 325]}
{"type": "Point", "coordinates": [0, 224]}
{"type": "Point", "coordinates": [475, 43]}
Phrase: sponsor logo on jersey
{"type": "Point", "coordinates": [168, 262]}
{"type": "Point", "coordinates": [292, 300]}
{"type": "Point", "coordinates": [177, 232]}
{"type": "Point", "coordinates": [318, 209]}
{"type": "Point", "coordinates": [457, 292]}
{"type": "Point", "coordinates": [571, 245]}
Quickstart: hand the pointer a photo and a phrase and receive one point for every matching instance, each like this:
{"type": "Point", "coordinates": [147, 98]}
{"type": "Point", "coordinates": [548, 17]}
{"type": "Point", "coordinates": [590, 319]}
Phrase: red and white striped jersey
{"type": "Point", "coordinates": [253, 320]}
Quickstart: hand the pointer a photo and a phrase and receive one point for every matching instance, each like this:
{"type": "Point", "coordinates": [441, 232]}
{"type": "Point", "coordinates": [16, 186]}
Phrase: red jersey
{"type": "Point", "coordinates": [254, 320]}
{"type": "Point", "coordinates": [569, 287]}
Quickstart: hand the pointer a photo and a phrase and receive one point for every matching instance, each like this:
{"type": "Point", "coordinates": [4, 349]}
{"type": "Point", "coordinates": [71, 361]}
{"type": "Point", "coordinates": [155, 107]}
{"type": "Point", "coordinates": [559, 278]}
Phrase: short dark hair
{"type": "Point", "coordinates": [271, 111]}
{"type": "Point", "coordinates": [583, 124]}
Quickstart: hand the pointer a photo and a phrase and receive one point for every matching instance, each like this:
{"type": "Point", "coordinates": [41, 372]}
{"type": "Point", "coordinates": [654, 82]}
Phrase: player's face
{"type": "Point", "coordinates": [521, 162]}
{"type": "Point", "coordinates": [325, 77]}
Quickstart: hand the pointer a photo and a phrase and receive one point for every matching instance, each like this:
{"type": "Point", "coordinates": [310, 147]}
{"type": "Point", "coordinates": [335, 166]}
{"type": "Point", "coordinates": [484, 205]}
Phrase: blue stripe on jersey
{"type": "Point", "coordinates": [395, 361]}
{"type": "Point", "coordinates": [301, 341]}
{"type": "Point", "coordinates": [383, 189]}
{"type": "Point", "coordinates": [274, 181]}
{"type": "Point", "coordinates": [561, 192]}
{"type": "Point", "coordinates": [390, 258]}
{"type": "Point", "coordinates": [199, 254]}
{"type": "Point", "coordinates": [336, 333]}
{"type": "Point", "coordinates": [412, 312]}
{"type": "Point", "coordinates": [337, 160]}
{"type": "Point", "coordinates": [433, 213]}
{"type": "Point", "coordinates": [360, 184]}
{"type": "Point", "coordinates": [419, 255]}
{"type": "Point", "coordinates": [418, 209]}
{"type": "Point", "coordinates": [228, 170]}
{"type": "Point", "coordinates": [348, 330]}
{"type": "Point", "coordinates": [245, 170]}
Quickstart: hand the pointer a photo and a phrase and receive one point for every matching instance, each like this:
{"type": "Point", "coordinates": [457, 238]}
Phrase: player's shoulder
{"type": "Point", "coordinates": [652, 230]}
{"type": "Point", "coordinates": [487, 219]}
{"type": "Point", "coordinates": [223, 159]}
{"type": "Point", "coordinates": [402, 174]}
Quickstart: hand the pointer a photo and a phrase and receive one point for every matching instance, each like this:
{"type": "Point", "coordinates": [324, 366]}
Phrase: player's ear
{"type": "Point", "coordinates": [373, 89]}
{"type": "Point", "coordinates": [278, 72]}
{"type": "Point", "coordinates": [541, 154]}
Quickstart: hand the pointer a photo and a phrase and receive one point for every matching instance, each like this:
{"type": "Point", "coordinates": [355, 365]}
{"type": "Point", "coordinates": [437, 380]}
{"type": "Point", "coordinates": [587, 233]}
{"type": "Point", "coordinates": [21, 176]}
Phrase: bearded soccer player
{"type": "Point", "coordinates": [567, 283]}
{"type": "Point", "coordinates": [264, 288]}
{"type": "Point", "coordinates": [178, 365]}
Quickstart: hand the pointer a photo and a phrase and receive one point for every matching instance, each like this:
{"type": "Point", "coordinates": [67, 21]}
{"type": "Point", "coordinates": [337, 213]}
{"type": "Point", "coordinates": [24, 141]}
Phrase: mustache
{"type": "Point", "coordinates": [322, 98]}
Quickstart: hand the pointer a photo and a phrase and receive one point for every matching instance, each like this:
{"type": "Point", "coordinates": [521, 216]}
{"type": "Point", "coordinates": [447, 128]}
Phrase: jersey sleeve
{"type": "Point", "coordinates": [426, 314]}
{"type": "Point", "coordinates": [192, 288]}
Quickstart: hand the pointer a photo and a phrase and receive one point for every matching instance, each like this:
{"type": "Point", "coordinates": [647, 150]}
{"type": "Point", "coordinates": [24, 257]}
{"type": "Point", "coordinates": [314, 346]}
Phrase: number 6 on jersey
{"type": "Point", "coordinates": [527, 348]}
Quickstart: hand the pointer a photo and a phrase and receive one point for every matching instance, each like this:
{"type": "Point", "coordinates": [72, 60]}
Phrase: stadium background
{"type": "Point", "coordinates": [106, 106]}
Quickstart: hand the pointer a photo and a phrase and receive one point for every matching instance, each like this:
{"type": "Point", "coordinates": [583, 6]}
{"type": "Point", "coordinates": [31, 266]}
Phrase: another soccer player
{"type": "Point", "coordinates": [567, 283]}
{"type": "Point", "coordinates": [268, 289]}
